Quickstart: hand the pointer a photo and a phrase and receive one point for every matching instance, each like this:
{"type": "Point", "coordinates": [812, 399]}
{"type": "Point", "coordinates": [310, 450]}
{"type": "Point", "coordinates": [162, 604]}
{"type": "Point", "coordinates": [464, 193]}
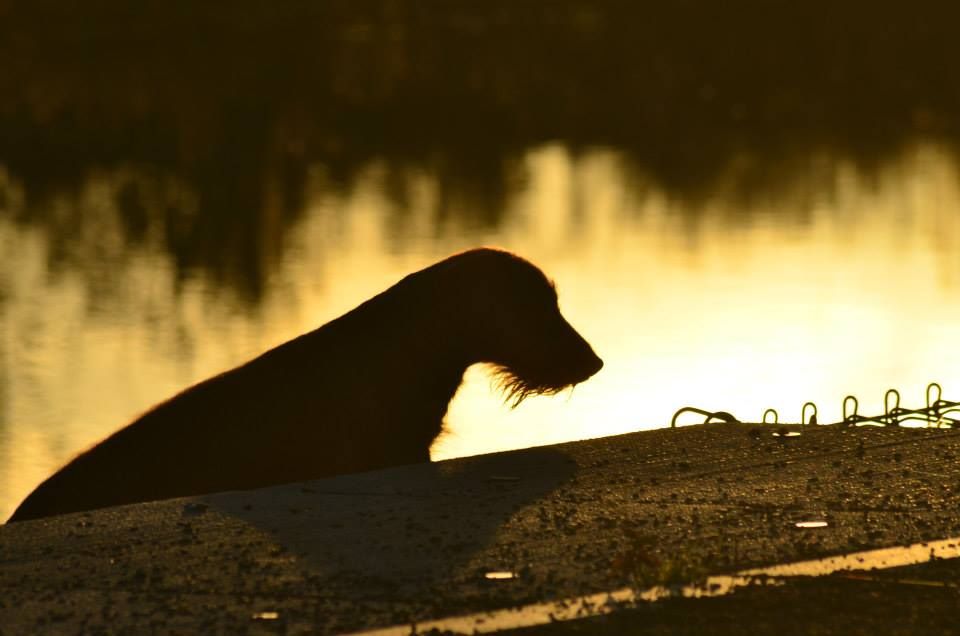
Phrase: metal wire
{"type": "Point", "coordinates": [934, 414]}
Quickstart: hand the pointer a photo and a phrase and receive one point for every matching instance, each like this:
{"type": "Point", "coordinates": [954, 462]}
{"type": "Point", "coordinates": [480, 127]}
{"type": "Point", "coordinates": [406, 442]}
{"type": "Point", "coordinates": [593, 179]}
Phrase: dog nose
{"type": "Point", "coordinates": [596, 365]}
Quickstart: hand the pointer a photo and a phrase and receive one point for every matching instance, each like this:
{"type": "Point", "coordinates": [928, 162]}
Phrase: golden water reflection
{"type": "Point", "coordinates": [829, 280]}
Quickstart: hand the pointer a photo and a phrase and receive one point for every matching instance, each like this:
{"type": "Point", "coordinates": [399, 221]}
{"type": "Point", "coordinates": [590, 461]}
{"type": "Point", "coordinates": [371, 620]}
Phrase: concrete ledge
{"type": "Point", "coordinates": [415, 543]}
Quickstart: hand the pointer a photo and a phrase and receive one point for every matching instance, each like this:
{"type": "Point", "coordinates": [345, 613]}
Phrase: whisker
{"type": "Point", "coordinates": [516, 389]}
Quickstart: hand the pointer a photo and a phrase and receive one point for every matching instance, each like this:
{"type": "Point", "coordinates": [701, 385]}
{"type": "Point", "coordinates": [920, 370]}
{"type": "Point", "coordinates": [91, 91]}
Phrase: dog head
{"type": "Point", "coordinates": [510, 311]}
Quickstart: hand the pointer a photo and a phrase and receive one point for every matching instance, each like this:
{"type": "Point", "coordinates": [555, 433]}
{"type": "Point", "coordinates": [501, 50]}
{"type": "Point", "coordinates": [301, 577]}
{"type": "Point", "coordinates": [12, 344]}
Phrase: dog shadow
{"type": "Point", "coordinates": [406, 529]}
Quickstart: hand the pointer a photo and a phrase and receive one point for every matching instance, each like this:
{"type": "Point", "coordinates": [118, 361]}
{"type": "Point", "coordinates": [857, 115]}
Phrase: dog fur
{"type": "Point", "coordinates": [365, 391]}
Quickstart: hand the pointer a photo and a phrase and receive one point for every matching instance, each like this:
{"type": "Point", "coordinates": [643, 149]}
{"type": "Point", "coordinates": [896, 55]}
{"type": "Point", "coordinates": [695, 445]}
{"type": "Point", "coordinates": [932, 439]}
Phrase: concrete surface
{"type": "Point", "coordinates": [415, 543]}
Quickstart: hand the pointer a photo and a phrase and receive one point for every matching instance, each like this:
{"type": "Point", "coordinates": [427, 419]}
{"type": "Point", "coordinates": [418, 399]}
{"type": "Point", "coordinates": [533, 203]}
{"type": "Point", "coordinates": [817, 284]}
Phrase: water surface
{"type": "Point", "coordinates": [767, 285]}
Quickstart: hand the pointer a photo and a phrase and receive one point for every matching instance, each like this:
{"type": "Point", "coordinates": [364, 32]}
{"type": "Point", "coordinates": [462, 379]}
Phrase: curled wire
{"type": "Point", "coordinates": [852, 418]}
{"type": "Point", "coordinates": [893, 414]}
{"type": "Point", "coordinates": [813, 416]}
{"type": "Point", "coordinates": [937, 412]}
{"type": "Point", "coordinates": [719, 416]}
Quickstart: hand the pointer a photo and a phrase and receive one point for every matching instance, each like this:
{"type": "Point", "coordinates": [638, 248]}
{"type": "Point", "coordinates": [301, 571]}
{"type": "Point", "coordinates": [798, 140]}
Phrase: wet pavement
{"type": "Point", "coordinates": [484, 534]}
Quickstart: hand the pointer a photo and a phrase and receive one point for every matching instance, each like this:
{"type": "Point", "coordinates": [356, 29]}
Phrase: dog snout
{"type": "Point", "coordinates": [580, 354]}
{"type": "Point", "coordinates": [595, 364]}
{"type": "Point", "coordinates": [589, 364]}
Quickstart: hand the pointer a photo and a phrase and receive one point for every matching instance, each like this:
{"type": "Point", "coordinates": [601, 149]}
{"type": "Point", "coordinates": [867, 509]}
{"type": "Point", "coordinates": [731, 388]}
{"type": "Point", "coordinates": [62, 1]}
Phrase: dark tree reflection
{"type": "Point", "coordinates": [236, 101]}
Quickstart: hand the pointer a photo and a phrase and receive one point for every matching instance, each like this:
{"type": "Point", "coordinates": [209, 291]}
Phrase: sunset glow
{"type": "Point", "coordinates": [725, 301]}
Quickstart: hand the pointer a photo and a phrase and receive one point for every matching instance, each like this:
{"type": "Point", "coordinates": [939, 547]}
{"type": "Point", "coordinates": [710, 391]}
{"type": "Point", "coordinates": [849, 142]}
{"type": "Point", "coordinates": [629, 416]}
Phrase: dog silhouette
{"type": "Point", "coordinates": [365, 391]}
